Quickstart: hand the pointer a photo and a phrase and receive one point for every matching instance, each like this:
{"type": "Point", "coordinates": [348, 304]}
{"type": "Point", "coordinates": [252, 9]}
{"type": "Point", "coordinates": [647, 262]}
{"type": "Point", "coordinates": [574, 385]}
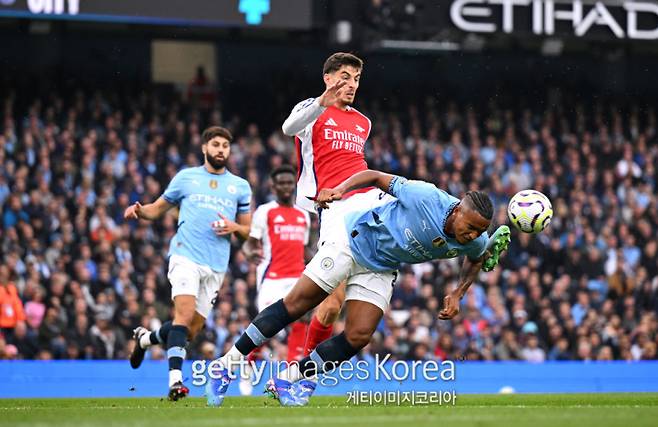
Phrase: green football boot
{"type": "Point", "coordinates": [498, 242]}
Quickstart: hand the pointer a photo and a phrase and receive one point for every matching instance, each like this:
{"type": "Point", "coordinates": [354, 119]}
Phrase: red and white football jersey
{"type": "Point", "coordinates": [330, 149]}
{"type": "Point", "coordinates": [284, 232]}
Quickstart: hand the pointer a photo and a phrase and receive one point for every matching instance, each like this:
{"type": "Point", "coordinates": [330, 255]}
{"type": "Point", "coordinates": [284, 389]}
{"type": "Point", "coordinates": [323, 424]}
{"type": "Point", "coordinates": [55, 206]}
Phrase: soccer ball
{"type": "Point", "coordinates": [530, 211]}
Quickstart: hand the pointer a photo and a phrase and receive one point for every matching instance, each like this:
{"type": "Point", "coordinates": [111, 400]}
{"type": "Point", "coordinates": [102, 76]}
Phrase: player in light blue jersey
{"type": "Point", "coordinates": [213, 205]}
{"type": "Point", "coordinates": [423, 223]}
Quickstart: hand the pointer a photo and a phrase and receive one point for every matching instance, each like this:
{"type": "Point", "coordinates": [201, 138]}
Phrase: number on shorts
{"type": "Point", "coordinates": [395, 278]}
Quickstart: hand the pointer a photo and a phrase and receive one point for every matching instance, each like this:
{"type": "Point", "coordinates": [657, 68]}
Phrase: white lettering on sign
{"type": "Point", "coordinates": [477, 16]}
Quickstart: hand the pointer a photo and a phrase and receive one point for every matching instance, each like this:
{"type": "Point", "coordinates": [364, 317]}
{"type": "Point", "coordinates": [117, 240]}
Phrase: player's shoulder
{"type": "Point", "coordinates": [238, 181]}
{"type": "Point", "coordinates": [266, 207]}
{"type": "Point", "coordinates": [303, 212]}
{"type": "Point", "coordinates": [445, 197]}
{"type": "Point", "coordinates": [303, 104]}
{"type": "Point", "coordinates": [358, 113]}
{"type": "Point", "coordinates": [189, 170]}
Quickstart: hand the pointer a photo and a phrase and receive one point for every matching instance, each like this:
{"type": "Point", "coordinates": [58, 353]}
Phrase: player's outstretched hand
{"type": "Point", "coordinates": [224, 226]}
{"type": "Point", "coordinates": [132, 211]}
{"type": "Point", "coordinates": [326, 196]}
{"type": "Point", "coordinates": [450, 307]}
{"type": "Point", "coordinates": [332, 94]}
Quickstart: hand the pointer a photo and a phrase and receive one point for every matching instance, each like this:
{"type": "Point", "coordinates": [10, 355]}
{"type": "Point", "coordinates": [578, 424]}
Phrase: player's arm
{"type": "Point", "coordinates": [467, 275]}
{"type": "Point", "coordinates": [253, 250]}
{"type": "Point", "coordinates": [363, 179]}
{"type": "Point", "coordinates": [240, 227]}
{"type": "Point", "coordinates": [150, 211]}
{"type": "Point", "coordinates": [307, 111]}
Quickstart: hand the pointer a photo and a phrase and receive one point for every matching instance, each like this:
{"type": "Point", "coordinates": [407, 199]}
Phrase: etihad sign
{"type": "Point", "coordinates": [477, 16]}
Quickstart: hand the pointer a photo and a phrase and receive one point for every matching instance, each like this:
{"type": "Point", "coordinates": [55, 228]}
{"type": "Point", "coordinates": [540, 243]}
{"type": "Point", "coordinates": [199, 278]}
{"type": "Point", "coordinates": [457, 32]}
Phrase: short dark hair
{"type": "Point", "coordinates": [481, 203]}
{"type": "Point", "coordinates": [283, 169]}
{"type": "Point", "coordinates": [215, 131]}
{"type": "Point", "coordinates": [338, 59]}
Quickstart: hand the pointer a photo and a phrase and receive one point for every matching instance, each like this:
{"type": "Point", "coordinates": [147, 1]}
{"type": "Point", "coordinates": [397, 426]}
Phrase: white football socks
{"type": "Point", "coordinates": [231, 360]}
{"type": "Point", "coordinates": [175, 375]}
{"type": "Point", "coordinates": [293, 374]}
{"type": "Point", "coordinates": [145, 340]}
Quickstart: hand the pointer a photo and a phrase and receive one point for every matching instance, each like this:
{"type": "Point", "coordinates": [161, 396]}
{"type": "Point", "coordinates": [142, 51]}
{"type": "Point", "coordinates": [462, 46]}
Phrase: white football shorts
{"type": "Point", "coordinates": [189, 278]}
{"type": "Point", "coordinates": [272, 290]}
{"type": "Point", "coordinates": [334, 264]}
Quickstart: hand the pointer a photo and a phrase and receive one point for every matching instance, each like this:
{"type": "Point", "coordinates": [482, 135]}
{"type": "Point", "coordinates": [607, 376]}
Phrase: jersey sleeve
{"type": "Point", "coordinates": [244, 201]}
{"type": "Point", "coordinates": [302, 115]}
{"type": "Point", "coordinates": [307, 232]}
{"type": "Point", "coordinates": [259, 223]}
{"type": "Point", "coordinates": [410, 192]}
{"type": "Point", "coordinates": [175, 191]}
{"type": "Point", "coordinates": [479, 248]}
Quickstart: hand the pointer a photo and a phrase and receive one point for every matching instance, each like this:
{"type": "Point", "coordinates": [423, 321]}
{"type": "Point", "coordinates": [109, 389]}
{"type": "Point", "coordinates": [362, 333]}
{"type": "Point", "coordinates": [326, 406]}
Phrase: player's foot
{"type": "Point", "coordinates": [137, 356]}
{"type": "Point", "coordinates": [283, 391]}
{"type": "Point", "coordinates": [216, 388]}
{"type": "Point", "coordinates": [303, 391]}
{"type": "Point", "coordinates": [498, 242]}
{"type": "Point", "coordinates": [178, 391]}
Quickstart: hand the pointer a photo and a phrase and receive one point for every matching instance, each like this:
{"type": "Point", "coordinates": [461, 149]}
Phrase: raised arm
{"type": "Point", "coordinates": [307, 111]}
{"type": "Point", "coordinates": [150, 211]}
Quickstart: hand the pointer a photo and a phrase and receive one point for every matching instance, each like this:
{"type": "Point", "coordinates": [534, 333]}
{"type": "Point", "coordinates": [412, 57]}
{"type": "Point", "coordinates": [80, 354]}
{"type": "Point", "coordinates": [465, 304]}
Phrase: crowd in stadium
{"type": "Point", "coordinates": [76, 278]}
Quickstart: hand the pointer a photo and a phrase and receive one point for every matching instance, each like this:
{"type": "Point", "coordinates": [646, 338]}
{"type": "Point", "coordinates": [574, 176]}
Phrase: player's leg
{"type": "Point", "coordinates": [328, 268]}
{"type": "Point", "coordinates": [269, 322]}
{"type": "Point", "coordinates": [184, 311]}
{"type": "Point", "coordinates": [367, 297]}
{"type": "Point", "coordinates": [145, 339]}
{"type": "Point", "coordinates": [305, 296]}
{"type": "Point", "coordinates": [327, 313]}
{"type": "Point", "coordinates": [325, 316]}
{"type": "Point", "coordinates": [361, 322]}
{"type": "Point", "coordinates": [185, 277]}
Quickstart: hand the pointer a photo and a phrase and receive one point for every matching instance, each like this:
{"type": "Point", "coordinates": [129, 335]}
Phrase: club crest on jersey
{"type": "Point", "coordinates": [231, 189]}
{"type": "Point", "coordinates": [452, 253]}
{"type": "Point", "coordinates": [213, 184]}
{"type": "Point", "coordinates": [360, 129]}
{"type": "Point", "coordinates": [301, 219]}
{"type": "Point", "coordinates": [438, 242]}
{"type": "Point", "coordinates": [330, 122]}
{"type": "Point", "coordinates": [327, 263]}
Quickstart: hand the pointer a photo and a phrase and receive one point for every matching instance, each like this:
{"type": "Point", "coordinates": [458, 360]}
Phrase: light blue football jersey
{"type": "Point", "coordinates": [201, 195]}
{"type": "Point", "coordinates": [408, 230]}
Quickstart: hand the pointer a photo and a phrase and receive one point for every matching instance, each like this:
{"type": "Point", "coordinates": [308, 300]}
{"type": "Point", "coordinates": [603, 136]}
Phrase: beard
{"type": "Point", "coordinates": [215, 163]}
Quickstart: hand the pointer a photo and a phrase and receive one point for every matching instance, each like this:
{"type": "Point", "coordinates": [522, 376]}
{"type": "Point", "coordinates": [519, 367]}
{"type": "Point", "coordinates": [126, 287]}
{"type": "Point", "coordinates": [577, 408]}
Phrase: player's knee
{"type": "Point", "coordinates": [194, 330]}
{"type": "Point", "coordinates": [358, 337]}
{"type": "Point", "coordinates": [329, 311]}
{"type": "Point", "coordinates": [184, 316]}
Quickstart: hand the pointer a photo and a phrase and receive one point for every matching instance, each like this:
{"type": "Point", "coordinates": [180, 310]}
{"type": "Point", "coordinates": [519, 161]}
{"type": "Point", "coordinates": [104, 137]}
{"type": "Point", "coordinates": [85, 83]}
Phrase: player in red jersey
{"type": "Point", "coordinates": [330, 136]}
{"type": "Point", "coordinates": [277, 240]}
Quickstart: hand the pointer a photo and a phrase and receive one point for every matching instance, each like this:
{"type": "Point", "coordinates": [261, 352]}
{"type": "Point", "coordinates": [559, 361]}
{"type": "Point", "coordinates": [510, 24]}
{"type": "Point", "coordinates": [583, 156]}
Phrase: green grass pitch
{"type": "Point", "coordinates": [551, 410]}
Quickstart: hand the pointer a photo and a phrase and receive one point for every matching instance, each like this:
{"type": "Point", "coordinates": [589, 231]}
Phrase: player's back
{"type": "Point", "coordinates": [408, 230]}
{"type": "Point", "coordinates": [330, 149]}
